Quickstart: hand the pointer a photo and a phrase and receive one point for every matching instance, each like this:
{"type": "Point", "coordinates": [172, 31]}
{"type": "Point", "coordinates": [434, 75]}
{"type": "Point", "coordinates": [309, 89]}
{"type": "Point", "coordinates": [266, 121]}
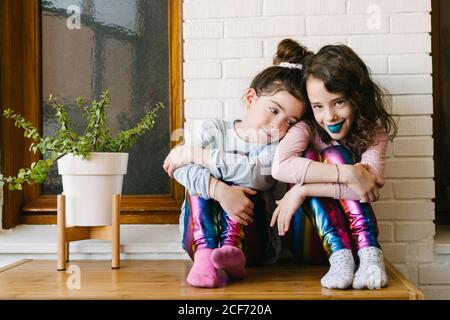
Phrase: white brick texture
{"type": "Point", "coordinates": [337, 25]}
{"type": "Point", "coordinates": [391, 44]}
{"type": "Point", "coordinates": [410, 64]}
{"type": "Point", "coordinates": [395, 253]}
{"type": "Point", "coordinates": [415, 126]}
{"type": "Point", "coordinates": [413, 189]}
{"type": "Point", "coordinates": [202, 69]}
{"type": "Point", "coordinates": [434, 274]}
{"type": "Point", "coordinates": [387, 191]}
{"type": "Point", "coordinates": [414, 104]}
{"type": "Point", "coordinates": [390, 6]}
{"type": "Point", "coordinates": [201, 9]}
{"type": "Point", "coordinates": [213, 89]}
{"type": "Point", "coordinates": [412, 231]}
{"type": "Point", "coordinates": [303, 7]}
{"type": "Point", "coordinates": [410, 23]}
{"type": "Point", "coordinates": [226, 43]}
{"type": "Point", "coordinates": [202, 109]}
{"type": "Point", "coordinates": [385, 231]}
{"type": "Point", "coordinates": [203, 29]}
{"type": "Point", "coordinates": [413, 147]}
{"type": "Point", "coordinates": [413, 84]}
{"type": "Point", "coordinates": [376, 64]}
{"type": "Point", "coordinates": [404, 210]}
{"type": "Point", "coordinates": [264, 27]}
{"type": "Point", "coordinates": [244, 68]}
{"type": "Point", "coordinates": [202, 49]}
{"type": "Point", "coordinates": [410, 168]}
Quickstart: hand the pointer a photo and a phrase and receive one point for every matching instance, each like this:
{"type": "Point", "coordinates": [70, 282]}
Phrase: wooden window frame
{"type": "Point", "coordinates": [21, 89]}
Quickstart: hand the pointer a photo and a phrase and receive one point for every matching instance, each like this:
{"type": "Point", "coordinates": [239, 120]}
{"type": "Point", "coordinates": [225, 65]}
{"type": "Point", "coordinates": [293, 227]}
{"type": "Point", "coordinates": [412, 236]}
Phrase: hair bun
{"type": "Point", "coordinates": [290, 51]}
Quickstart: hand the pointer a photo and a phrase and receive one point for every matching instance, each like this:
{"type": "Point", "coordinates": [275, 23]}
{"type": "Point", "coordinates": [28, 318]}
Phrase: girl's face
{"type": "Point", "coordinates": [268, 118]}
{"type": "Point", "coordinates": [332, 111]}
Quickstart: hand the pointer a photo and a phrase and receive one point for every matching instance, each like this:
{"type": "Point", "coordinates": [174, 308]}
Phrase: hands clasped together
{"type": "Point", "coordinates": [358, 177]}
{"type": "Point", "coordinates": [235, 200]}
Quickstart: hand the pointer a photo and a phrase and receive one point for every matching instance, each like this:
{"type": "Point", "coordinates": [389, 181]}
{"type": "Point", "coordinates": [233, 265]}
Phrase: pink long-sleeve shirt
{"type": "Point", "coordinates": [289, 165]}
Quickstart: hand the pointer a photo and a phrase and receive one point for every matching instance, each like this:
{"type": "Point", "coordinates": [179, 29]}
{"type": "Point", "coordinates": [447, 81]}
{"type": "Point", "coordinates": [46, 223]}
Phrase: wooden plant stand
{"type": "Point", "coordinates": [67, 234]}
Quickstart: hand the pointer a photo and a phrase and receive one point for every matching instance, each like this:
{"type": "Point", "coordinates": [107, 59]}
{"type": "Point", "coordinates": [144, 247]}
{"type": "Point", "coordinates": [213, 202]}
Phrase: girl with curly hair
{"type": "Point", "coordinates": [334, 162]}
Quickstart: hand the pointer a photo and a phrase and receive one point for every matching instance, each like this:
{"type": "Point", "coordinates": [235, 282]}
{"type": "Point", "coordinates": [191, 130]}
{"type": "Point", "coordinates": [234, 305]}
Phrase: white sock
{"type": "Point", "coordinates": [342, 268]}
{"type": "Point", "coordinates": [371, 273]}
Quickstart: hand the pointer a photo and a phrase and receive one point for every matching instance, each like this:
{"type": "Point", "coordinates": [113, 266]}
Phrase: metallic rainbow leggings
{"type": "Point", "coordinates": [207, 225]}
{"type": "Point", "coordinates": [339, 224]}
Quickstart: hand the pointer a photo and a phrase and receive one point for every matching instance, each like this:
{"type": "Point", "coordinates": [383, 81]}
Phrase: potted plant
{"type": "Point", "coordinates": [92, 164]}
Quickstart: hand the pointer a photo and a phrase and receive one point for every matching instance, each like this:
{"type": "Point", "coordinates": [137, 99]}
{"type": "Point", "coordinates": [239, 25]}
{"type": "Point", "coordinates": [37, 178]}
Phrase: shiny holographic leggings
{"type": "Point", "coordinates": [329, 223]}
{"type": "Point", "coordinates": [207, 225]}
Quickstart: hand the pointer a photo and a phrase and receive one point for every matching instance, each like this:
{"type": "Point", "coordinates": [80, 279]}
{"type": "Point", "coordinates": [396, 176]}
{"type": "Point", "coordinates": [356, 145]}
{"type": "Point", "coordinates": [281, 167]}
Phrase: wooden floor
{"type": "Point", "coordinates": [165, 279]}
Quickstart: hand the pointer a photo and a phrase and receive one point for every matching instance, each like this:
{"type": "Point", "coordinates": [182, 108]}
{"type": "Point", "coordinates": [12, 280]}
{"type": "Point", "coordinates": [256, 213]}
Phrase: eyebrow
{"type": "Point", "coordinates": [338, 98]}
{"type": "Point", "coordinates": [279, 105]}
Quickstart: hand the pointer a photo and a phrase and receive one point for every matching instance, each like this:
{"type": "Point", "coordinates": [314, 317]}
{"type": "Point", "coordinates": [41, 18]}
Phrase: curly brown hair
{"type": "Point", "coordinates": [342, 71]}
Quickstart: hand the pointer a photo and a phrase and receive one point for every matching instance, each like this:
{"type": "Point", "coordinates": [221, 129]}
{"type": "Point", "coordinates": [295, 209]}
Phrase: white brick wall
{"type": "Point", "coordinates": [228, 42]}
{"type": "Point", "coordinates": [391, 44]}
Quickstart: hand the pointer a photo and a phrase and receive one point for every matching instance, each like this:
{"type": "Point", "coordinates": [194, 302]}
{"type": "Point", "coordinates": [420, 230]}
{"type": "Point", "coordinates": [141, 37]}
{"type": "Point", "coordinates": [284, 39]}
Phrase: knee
{"type": "Point", "coordinates": [311, 154]}
{"type": "Point", "coordinates": [198, 199]}
{"type": "Point", "coordinates": [337, 155]}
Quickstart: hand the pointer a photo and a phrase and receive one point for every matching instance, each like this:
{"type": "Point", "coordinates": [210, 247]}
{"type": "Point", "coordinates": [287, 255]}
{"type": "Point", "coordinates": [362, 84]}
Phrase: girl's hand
{"type": "Point", "coordinates": [235, 201]}
{"type": "Point", "coordinates": [363, 182]}
{"type": "Point", "coordinates": [286, 209]}
{"type": "Point", "coordinates": [178, 157]}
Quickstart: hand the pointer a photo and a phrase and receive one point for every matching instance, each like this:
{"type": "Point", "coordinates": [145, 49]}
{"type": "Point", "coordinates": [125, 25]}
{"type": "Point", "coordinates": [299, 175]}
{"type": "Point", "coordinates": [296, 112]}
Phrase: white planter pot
{"type": "Point", "coordinates": [89, 184]}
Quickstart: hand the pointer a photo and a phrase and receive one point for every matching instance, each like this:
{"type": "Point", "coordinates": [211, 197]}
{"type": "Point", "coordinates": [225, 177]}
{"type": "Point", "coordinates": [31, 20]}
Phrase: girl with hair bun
{"type": "Point", "coordinates": [226, 167]}
{"type": "Point", "coordinates": [335, 161]}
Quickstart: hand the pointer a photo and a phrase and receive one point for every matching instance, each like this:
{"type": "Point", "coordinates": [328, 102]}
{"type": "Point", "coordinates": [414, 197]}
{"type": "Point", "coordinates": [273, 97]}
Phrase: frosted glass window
{"type": "Point", "coordinates": [122, 46]}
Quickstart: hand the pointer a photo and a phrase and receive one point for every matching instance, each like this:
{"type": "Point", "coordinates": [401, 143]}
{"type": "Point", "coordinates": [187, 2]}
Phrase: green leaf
{"type": "Point", "coordinates": [21, 173]}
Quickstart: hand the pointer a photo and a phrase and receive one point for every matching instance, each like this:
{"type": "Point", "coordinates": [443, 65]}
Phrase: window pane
{"type": "Point", "coordinates": [121, 46]}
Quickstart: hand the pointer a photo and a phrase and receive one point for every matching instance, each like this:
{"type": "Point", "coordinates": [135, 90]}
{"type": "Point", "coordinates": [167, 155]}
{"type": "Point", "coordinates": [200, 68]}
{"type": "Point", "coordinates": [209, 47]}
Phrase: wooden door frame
{"type": "Point", "coordinates": [442, 206]}
{"type": "Point", "coordinates": [21, 89]}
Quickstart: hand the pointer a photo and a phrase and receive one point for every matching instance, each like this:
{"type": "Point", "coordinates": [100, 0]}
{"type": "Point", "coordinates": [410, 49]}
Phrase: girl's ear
{"type": "Point", "coordinates": [249, 97]}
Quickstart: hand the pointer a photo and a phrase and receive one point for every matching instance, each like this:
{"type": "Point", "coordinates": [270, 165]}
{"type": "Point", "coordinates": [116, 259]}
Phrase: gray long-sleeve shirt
{"type": "Point", "coordinates": [233, 160]}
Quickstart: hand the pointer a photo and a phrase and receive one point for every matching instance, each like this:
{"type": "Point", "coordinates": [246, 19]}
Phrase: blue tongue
{"type": "Point", "coordinates": [336, 127]}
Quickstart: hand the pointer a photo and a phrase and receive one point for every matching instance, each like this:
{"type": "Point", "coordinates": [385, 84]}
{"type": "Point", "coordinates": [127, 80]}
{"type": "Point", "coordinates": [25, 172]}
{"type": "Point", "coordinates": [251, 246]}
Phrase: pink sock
{"type": "Point", "coordinates": [203, 274]}
{"type": "Point", "coordinates": [231, 259]}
